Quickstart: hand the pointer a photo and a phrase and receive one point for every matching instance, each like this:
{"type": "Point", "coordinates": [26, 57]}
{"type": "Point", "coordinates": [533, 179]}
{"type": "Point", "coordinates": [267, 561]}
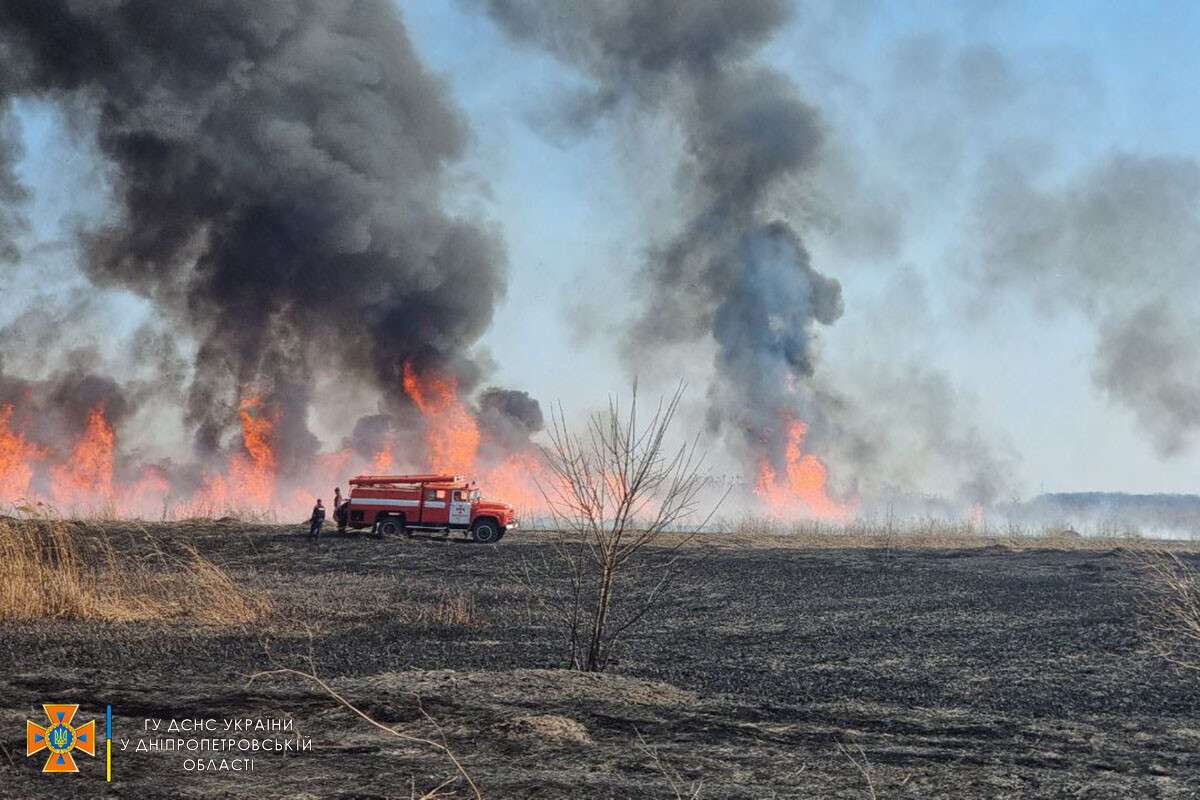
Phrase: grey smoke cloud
{"type": "Point", "coordinates": [1148, 362]}
{"type": "Point", "coordinates": [12, 193]}
{"type": "Point", "coordinates": [509, 417]}
{"type": "Point", "coordinates": [735, 271]}
{"type": "Point", "coordinates": [279, 172]}
{"type": "Point", "coordinates": [53, 411]}
{"type": "Point", "coordinates": [1118, 243]}
{"type": "Point", "coordinates": [902, 429]}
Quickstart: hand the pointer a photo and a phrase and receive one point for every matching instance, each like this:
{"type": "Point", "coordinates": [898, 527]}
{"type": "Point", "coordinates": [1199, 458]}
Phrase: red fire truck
{"type": "Point", "coordinates": [392, 504]}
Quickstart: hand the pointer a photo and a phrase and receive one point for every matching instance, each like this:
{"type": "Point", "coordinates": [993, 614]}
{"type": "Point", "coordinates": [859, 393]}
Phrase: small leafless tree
{"type": "Point", "coordinates": [624, 503]}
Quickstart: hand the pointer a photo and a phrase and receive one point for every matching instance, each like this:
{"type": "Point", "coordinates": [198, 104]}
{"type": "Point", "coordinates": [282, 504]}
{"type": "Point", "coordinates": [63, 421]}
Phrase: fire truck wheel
{"type": "Point", "coordinates": [389, 527]}
{"type": "Point", "coordinates": [486, 532]}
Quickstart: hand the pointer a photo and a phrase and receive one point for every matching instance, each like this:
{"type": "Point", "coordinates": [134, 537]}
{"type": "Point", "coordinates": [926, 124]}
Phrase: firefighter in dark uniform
{"type": "Point", "coordinates": [317, 519]}
{"type": "Point", "coordinates": [339, 509]}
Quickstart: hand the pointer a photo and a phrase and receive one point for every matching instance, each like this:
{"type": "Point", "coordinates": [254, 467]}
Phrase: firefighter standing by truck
{"type": "Point", "coordinates": [317, 519]}
{"type": "Point", "coordinates": [339, 509]}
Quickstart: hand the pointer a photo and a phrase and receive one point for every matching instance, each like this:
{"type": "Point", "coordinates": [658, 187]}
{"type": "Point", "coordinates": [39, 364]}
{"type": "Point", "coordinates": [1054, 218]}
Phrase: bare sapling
{"type": "Point", "coordinates": [624, 502]}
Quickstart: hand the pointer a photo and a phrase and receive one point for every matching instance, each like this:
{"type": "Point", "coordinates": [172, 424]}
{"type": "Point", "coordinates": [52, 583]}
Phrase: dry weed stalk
{"type": "Point", "coordinates": [679, 789]}
{"type": "Point", "coordinates": [391, 730]}
{"type": "Point", "coordinates": [861, 765]}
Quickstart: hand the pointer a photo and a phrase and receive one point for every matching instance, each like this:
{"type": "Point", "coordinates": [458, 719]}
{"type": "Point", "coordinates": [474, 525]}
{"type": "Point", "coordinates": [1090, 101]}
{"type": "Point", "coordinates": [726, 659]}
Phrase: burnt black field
{"type": "Point", "coordinates": [980, 672]}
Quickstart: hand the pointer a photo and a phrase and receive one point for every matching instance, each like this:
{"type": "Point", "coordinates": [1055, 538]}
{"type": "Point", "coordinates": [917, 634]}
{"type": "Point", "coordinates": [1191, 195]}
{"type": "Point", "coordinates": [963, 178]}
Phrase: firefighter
{"type": "Point", "coordinates": [317, 519]}
{"type": "Point", "coordinates": [340, 510]}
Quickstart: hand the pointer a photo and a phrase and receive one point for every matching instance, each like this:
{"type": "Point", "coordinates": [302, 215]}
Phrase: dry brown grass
{"type": "Point", "coordinates": [452, 608]}
{"type": "Point", "coordinates": [43, 574]}
{"type": "Point", "coordinates": [1171, 605]}
{"type": "Point", "coordinates": [54, 569]}
{"type": "Point", "coordinates": [210, 595]}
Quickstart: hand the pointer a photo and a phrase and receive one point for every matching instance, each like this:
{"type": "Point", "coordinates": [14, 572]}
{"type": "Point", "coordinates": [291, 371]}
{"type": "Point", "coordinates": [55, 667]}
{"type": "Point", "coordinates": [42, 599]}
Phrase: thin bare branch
{"type": "Point", "coordinates": [390, 730]}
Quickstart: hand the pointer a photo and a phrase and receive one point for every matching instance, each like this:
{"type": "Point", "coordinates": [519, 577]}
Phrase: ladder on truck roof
{"type": "Point", "coordinates": [411, 480]}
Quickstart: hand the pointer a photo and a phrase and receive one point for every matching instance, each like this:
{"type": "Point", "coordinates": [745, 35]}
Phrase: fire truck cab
{"type": "Point", "coordinates": [392, 504]}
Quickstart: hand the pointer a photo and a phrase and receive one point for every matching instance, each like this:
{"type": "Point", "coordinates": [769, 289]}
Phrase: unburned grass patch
{"type": "Point", "coordinates": [451, 608]}
{"type": "Point", "coordinates": [1170, 600]}
{"type": "Point", "coordinates": [55, 569]}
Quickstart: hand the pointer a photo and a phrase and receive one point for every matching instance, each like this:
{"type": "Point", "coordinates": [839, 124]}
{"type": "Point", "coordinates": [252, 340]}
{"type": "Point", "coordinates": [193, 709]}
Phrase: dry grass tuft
{"type": "Point", "coordinates": [53, 569]}
{"type": "Point", "coordinates": [553, 727]}
{"type": "Point", "coordinates": [451, 609]}
{"type": "Point", "coordinates": [43, 574]}
{"type": "Point", "coordinates": [213, 597]}
{"type": "Point", "coordinates": [1171, 604]}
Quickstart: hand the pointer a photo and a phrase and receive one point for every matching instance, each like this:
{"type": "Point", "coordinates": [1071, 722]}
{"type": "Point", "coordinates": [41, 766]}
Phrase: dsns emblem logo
{"type": "Point", "coordinates": [60, 738]}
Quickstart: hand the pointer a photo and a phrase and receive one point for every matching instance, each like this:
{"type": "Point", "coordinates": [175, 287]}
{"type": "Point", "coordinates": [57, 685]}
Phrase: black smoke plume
{"type": "Point", "coordinates": [735, 270]}
{"type": "Point", "coordinates": [508, 418]}
{"type": "Point", "coordinates": [279, 169]}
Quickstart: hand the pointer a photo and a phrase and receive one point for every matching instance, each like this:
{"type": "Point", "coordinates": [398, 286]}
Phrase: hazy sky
{"type": "Point", "coordinates": [924, 104]}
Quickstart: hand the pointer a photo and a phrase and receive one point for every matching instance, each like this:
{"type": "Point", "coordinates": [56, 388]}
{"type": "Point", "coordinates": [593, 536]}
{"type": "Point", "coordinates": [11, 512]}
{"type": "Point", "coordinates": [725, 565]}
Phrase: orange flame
{"type": "Point", "coordinates": [147, 494]}
{"type": "Point", "coordinates": [16, 453]}
{"type": "Point", "coordinates": [87, 476]}
{"type": "Point", "coordinates": [518, 481]}
{"type": "Point", "coordinates": [253, 472]}
{"type": "Point", "coordinates": [84, 477]}
{"type": "Point", "coordinates": [250, 480]}
{"type": "Point", "coordinates": [803, 490]}
{"type": "Point", "coordinates": [383, 458]}
{"type": "Point", "coordinates": [451, 432]}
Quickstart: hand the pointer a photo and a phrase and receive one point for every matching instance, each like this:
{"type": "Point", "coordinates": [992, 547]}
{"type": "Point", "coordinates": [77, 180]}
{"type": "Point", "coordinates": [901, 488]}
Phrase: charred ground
{"type": "Point", "coordinates": [960, 672]}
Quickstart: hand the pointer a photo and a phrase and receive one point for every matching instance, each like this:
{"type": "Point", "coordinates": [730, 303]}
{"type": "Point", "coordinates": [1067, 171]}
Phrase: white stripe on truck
{"type": "Point", "coordinates": [384, 501]}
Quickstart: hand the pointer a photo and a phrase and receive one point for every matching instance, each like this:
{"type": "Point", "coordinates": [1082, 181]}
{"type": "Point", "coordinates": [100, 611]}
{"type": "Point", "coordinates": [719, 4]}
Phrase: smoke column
{"type": "Point", "coordinates": [279, 168]}
{"type": "Point", "coordinates": [735, 271]}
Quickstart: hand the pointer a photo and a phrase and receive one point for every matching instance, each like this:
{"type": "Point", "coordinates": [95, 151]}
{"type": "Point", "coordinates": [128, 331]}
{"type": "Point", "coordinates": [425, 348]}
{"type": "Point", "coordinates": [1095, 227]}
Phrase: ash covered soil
{"type": "Point", "coordinates": [957, 673]}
